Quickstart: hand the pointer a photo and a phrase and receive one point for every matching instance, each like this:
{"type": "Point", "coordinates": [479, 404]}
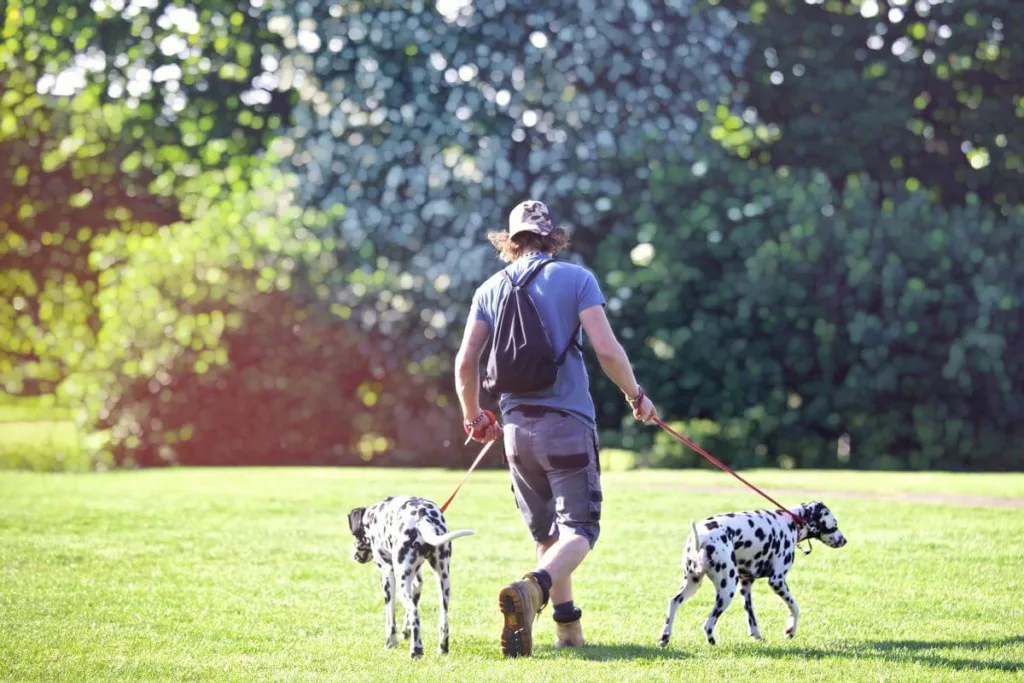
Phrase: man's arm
{"type": "Point", "coordinates": [613, 359]}
{"type": "Point", "coordinates": [467, 372]}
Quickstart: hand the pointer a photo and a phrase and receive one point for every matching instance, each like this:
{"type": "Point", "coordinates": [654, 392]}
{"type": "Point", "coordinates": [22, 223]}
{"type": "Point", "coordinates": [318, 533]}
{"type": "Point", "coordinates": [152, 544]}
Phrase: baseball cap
{"type": "Point", "coordinates": [530, 216]}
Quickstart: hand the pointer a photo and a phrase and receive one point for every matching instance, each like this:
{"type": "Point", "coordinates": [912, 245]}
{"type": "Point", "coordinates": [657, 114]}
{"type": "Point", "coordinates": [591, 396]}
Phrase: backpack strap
{"type": "Point", "coordinates": [529, 276]}
{"type": "Point", "coordinates": [527, 280]}
{"type": "Point", "coordinates": [572, 342]}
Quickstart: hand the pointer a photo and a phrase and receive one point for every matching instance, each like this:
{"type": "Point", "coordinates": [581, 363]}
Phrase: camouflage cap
{"type": "Point", "coordinates": [530, 216]}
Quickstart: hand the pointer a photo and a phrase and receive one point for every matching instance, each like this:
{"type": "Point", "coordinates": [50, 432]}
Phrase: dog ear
{"type": "Point", "coordinates": [355, 521]}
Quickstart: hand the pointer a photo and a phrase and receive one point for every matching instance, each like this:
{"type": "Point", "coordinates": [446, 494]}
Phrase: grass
{"type": "Point", "coordinates": [244, 575]}
{"type": "Point", "coordinates": [36, 435]}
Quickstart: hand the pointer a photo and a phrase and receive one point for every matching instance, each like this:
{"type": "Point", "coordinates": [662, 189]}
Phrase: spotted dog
{"type": "Point", "coordinates": [399, 534]}
{"type": "Point", "coordinates": [744, 546]}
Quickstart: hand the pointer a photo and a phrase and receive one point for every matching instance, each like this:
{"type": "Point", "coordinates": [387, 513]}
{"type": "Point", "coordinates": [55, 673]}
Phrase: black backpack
{"type": "Point", "coordinates": [522, 359]}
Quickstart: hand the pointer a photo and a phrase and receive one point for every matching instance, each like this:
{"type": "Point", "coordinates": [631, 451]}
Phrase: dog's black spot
{"type": "Point", "coordinates": [751, 523]}
{"type": "Point", "coordinates": [732, 573]}
{"type": "Point", "coordinates": [730, 515]}
{"type": "Point", "coordinates": [724, 582]}
{"type": "Point", "coordinates": [711, 525]}
{"type": "Point", "coordinates": [748, 544]}
{"type": "Point", "coordinates": [759, 534]}
{"type": "Point", "coordinates": [709, 549]}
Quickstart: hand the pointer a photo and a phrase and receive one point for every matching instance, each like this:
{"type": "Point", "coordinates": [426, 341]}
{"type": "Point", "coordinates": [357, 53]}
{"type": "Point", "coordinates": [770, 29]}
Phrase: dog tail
{"type": "Point", "coordinates": [694, 538]}
{"type": "Point", "coordinates": [435, 539]}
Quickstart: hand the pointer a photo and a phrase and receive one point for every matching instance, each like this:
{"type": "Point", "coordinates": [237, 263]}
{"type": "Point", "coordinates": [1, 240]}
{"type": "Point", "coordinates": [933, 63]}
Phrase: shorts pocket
{"type": "Point", "coordinates": [595, 495]}
{"type": "Point", "coordinates": [566, 443]}
{"type": "Point", "coordinates": [572, 461]}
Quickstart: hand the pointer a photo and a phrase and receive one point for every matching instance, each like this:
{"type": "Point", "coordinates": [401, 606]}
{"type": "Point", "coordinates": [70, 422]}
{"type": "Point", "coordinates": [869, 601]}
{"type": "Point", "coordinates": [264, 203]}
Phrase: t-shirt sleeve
{"type": "Point", "coordinates": [478, 309]}
{"type": "Point", "coordinates": [589, 292]}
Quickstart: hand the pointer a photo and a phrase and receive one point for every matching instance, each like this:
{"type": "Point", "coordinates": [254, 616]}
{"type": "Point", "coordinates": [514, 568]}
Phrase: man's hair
{"type": "Point", "coordinates": [511, 248]}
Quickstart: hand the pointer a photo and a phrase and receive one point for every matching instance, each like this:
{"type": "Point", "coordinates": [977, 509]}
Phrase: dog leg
{"type": "Point", "coordinates": [417, 590]}
{"type": "Point", "coordinates": [405, 593]}
{"type": "Point", "coordinates": [725, 585]}
{"type": "Point", "coordinates": [387, 580]}
{"type": "Point", "coordinates": [748, 604]}
{"type": "Point", "coordinates": [778, 584]}
{"type": "Point", "coordinates": [440, 562]}
{"type": "Point", "coordinates": [689, 587]}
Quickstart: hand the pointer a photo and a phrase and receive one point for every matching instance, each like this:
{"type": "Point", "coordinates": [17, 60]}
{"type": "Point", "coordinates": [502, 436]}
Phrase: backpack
{"type": "Point", "coordinates": [522, 359]}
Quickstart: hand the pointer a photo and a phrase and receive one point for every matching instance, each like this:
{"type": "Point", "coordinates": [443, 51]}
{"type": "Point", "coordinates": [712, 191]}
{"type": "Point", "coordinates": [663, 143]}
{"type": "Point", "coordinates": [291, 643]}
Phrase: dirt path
{"type": "Point", "coordinates": [900, 497]}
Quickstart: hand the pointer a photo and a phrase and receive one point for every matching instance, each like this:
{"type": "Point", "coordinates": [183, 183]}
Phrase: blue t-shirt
{"type": "Point", "coordinates": [561, 291]}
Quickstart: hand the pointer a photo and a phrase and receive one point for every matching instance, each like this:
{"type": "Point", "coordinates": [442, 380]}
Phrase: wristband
{"type": "Point", "coordinates": [634, 402]}
{"type": "Point", "coordinates": [474, 426]}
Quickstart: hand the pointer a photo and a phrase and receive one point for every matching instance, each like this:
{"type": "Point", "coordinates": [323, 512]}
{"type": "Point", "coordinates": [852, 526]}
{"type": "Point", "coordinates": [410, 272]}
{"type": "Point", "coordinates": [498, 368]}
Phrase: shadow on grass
{"type": "Point", "coordinates": [609, 652]}
{"type": "Point", "coordinates": [603, 652]}
{"type": "Point", "coordinates": [913, 651]}
{"type": "Point", "coordinates": [908, 651]}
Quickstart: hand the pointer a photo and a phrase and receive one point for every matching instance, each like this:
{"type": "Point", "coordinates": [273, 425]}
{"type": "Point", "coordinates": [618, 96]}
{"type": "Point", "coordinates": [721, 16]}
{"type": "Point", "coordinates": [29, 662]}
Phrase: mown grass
{"type": "Point", "coordinates": [244, 575]}
{"type": "Point", "coordinates": [37, 435]}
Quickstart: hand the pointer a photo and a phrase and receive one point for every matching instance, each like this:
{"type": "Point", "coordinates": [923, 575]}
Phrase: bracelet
{"type": "Point", "coordinates": [479, 417]}
{"type": "Point", "coordinates": [634, 402]}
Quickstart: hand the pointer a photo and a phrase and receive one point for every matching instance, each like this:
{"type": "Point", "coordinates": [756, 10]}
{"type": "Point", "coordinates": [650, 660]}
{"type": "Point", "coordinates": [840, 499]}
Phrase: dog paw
{"type": "Point", "coordinates": [790, 632]}
{"type": "Point", "coordinates": [756, 635]}
{"type": "Point", "coordinates": [711, 639]}
{"type": "Point", "coordinates": [406, 632]}
{"type": "Point", "coordinates": [663, 641]}
{"type": "Point", "coordinates": [391, 643]}
{"type": "Point", "coordinates": [442, 649]}
{"type": "Point", "coordinates": [416, 653]}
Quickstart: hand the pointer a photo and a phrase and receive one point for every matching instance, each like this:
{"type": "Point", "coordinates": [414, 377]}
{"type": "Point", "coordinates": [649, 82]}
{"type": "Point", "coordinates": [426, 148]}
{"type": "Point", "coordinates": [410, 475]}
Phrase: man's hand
{"type": "Point", "coordinates": [644, 410]}
{"type": "Point", "coordinates": [483, 428]}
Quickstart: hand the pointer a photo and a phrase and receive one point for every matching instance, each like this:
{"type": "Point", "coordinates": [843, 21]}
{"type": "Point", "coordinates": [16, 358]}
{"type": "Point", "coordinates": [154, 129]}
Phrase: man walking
{"type": "Point", "coordinates": [535, 309]}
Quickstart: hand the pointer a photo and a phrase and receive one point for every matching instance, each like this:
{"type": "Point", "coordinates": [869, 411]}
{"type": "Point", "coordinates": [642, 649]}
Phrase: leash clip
{"type": "Point", "coordinates": [809, 547]}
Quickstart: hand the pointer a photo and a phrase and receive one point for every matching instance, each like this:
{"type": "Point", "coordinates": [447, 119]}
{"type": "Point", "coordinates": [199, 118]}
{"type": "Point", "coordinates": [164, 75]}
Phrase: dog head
{"type": "Point", "coordinates": [361, 551]}
{"type": "Point", "coordinates": [822, 524]}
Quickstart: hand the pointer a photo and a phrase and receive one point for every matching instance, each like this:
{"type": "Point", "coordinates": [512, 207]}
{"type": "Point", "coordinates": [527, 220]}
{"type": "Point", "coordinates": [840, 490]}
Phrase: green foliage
{"type": "Point", "coordinates": [238, 233]}
{"type": "Point", "coordinates": [912, 93]}
{"type": "Point", "coordinates": [429, 123]}
{"type": "Point", "coordinates": [797, 315]}
{"type": "Point", "coordinates": [106, 111]}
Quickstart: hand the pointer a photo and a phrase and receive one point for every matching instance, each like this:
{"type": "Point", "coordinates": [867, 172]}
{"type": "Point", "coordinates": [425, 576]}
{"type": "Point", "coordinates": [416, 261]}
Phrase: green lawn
{"type": "Point", "coordinates": [246, 575]}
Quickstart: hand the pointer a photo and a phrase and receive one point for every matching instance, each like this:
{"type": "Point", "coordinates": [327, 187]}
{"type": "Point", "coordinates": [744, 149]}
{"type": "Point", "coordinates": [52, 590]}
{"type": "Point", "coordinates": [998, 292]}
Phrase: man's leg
{"type": "Point", "coordinates": [559, 558]}
{"type": "Point", "coordinates": [573, 472]}
{"type": "Point", "coordinates": [520, 601]}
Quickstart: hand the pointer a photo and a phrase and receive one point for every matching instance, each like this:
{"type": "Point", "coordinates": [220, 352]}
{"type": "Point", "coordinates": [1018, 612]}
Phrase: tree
{"type": "Point", "coordinates": [430, 124]}
{"type": "Point", "coordinates": [105, 111]}
{"type": "Point", "coordinates": [913, 94]}
{"type": "Point", "coordinates": [795, 315]}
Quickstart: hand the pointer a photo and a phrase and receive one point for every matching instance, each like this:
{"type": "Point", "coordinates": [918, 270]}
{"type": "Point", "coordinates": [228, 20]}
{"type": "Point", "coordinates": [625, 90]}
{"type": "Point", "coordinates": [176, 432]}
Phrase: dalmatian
{"type": "Point", "coordinates": [740, 547]}
{"type": "Point", "coordinates": [399, 534]}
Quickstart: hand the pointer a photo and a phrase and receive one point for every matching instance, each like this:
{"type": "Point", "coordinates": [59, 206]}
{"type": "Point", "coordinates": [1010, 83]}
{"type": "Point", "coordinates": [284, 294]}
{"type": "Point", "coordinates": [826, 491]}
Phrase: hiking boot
{"type": "Point", "coordinates": [519, 603]}
{"type": "Point", "coordinates": [569, 635]}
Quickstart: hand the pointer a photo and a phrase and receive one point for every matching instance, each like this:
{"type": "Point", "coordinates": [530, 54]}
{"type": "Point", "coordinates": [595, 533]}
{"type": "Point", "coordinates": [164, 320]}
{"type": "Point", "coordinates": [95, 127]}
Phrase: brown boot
{"type": "Point", "coordinates": [519, 603]}
{"type": "Point", "coordinates": [569, 635]}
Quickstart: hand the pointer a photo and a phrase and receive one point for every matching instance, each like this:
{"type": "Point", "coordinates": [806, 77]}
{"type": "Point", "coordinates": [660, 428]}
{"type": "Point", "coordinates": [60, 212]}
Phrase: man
{"type": "Point", "coordinates": [550, 435]}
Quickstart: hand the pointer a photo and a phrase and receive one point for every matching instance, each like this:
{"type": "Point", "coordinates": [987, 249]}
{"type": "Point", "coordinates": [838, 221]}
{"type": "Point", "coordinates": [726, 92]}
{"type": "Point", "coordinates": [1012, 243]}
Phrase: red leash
{"type": "Point", "coordinates": [725, 468]}
{"type": "Point", "coordinates": [472, 467]}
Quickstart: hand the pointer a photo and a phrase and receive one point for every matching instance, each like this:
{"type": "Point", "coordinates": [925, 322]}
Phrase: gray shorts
{"type": "Point", "coordinates": [556, 472]}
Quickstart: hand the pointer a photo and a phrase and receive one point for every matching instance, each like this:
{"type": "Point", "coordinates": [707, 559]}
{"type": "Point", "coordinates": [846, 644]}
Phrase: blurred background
{"type": "Point", "coordinates": [246, 232]}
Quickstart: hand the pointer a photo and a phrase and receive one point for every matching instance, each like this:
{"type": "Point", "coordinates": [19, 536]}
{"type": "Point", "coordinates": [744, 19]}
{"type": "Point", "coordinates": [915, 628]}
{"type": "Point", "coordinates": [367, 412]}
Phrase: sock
{"type": "Point", "coordinates": [544, 579]}
{"type": "Point", "coordinates": [566, 612]}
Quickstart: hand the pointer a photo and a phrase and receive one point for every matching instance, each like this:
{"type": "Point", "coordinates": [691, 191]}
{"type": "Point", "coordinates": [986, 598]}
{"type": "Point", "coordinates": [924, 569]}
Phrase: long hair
{"type": "Point", "coordinates": [511, 248]}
